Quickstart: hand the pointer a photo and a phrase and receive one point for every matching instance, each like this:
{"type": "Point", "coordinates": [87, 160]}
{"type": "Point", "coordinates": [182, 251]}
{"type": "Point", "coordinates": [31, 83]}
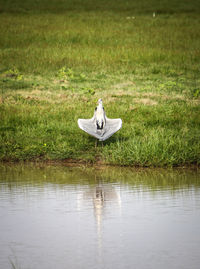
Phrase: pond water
{"type": "Point", "coordinates": [60, 217]}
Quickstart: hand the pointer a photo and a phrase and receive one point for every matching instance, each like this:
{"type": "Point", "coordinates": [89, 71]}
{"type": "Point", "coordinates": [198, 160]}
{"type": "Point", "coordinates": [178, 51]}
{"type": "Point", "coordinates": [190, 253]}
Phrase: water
{"type": "Point", "coordinates": [60, 217]}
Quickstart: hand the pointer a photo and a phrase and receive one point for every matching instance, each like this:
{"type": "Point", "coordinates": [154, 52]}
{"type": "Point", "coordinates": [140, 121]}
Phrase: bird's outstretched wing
{"type": "Point", "coordinates": [111, 127]}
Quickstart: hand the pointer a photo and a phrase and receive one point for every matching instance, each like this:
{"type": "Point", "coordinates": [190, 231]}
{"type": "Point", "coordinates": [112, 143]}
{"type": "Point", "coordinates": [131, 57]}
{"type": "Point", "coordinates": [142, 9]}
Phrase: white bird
{"type": "Point", "coordinates": [99, 125]}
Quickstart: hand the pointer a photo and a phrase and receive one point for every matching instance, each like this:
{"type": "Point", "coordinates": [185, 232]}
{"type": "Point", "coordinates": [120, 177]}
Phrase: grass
{"type": "Point", "coordinates": [58, 57]}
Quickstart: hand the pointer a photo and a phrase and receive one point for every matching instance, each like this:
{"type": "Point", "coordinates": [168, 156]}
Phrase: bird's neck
{"type": "Point", "coordinates": [100, 107]}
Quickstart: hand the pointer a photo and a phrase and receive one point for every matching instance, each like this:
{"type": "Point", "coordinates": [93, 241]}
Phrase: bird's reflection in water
{"type": "Point", "coordinates": [102, 196]}
{"type": "Point", "coordinates": [99, 194]}
{"type": "Point", "coordinates": [105, 199]}
{"type": "Point", "coordinates": [98, 202]}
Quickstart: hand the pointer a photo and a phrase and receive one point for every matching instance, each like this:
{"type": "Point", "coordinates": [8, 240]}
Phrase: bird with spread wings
{"type": "Point", "coordinates": [99, 125]}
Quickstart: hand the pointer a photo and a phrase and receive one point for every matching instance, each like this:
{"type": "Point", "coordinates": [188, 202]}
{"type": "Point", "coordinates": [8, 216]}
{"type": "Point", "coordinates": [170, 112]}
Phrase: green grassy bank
{"type": "Point", "coordinates": [142, 58]}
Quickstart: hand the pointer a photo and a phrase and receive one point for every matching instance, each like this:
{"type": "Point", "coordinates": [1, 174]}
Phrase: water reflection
{"type": "Point", "coordinates": [98, 201]}
{"type": "Point", "coordinates": [103, 196]}
{"type": "Point", "coordinates": [22, 175]}
{"type": "Point", "coordinates": [59, 217]}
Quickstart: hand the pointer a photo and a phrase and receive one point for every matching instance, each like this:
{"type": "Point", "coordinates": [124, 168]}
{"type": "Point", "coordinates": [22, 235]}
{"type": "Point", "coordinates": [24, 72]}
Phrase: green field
{"type": "Point", "coordinates": [58, 57]}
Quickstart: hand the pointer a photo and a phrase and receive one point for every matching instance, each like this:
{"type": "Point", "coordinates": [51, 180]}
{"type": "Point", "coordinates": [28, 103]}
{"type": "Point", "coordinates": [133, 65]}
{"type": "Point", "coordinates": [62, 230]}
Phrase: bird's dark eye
{"type": "Point", "coordinates": [95, 108]}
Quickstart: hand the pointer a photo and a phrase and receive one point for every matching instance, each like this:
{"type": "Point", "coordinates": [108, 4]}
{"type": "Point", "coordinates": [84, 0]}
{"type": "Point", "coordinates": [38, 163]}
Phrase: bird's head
{"type": "Point", "coordinates": [100, 102]}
